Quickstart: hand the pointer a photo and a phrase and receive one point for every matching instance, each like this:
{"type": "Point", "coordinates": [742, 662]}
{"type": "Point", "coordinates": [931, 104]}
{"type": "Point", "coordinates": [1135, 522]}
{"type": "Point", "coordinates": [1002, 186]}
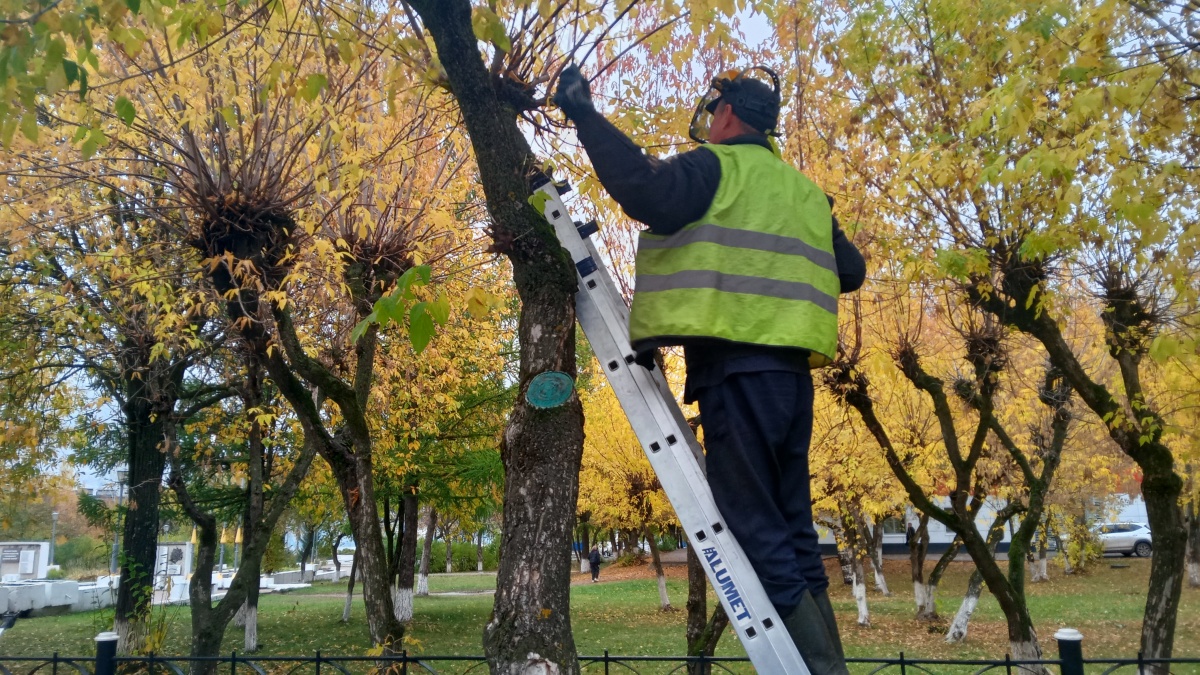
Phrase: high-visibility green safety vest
{"type": "Point", "coordinates": [757, 268]}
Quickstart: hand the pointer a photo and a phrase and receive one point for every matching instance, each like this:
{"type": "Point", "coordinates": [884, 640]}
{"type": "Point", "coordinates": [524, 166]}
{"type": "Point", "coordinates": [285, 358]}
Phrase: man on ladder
{"type": "Point", "coordinates": [742, 265]}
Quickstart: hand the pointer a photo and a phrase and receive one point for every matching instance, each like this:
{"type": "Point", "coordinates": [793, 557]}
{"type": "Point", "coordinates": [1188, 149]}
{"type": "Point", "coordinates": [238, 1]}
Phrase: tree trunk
{"type": "Point", "coordinates": [426, 554]}
{"type": "Point", "coordinates": [876, 542]}
{"type": "Point", "coordinates": [586, 546]}
{"type": "Point", "coordinates": [355, 480]}
{"type": "Point", "coordinates": [144, 426]}
{"type": "Point", "coordinates": [664, 603]}
{"type": "Point", "coordinates": [449, 549]}
{"type": "Point", "coordinates": [860, 591]}
{"type": "Point", "coordinates": [542, 449]}
{"type": "Point", "coordinates": [935, 577]}
{"type": "Point", "coordinates": [479, 551]}
{"type": "Point", "coordinates": [918, 546]}
{"type": "Point", "coordinates": [856, 543]}
{"type": "Point", "coordinates": [350, 588]}
{"type": "Point", "coordinates": [962, 619]}
{"type": "Point", "coordinates": [337, 562]}
{"type": "Point", "coordinates": [703, 632]}
{"type": "Point", "coordinates": [308, 532]}
{"type": "Point", "coordinates": [845, 562]}
{"type": "Point", "coordinates": [408, 555]}
{"type": "Point", "coordinates": [1193, 555]}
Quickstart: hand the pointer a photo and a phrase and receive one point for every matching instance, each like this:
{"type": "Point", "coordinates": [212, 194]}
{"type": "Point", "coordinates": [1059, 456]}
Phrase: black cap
{"type": "Point", "coordinates": [753, 101]}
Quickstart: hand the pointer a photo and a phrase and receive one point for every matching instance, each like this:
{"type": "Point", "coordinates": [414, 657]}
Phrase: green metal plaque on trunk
{"type": "Point", "coordinates": [549, 389]}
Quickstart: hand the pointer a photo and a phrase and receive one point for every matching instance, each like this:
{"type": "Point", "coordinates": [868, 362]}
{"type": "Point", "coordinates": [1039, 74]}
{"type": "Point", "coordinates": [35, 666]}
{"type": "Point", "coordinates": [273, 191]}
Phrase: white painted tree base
{"type": "Point", "coordinates": [923, 595]}
{"type": "Point", "coordinates": [880, 582]}
{"type": "Point", "coordinates": [251, 623]}
{"type": "Point", "coordinates": [1027, 650]}
{"type": "Point", "coordinates": [1039, 572]}
{"type": "Point", "coordinates": [1193, 574]}
{"type": "Point", "coordinates": [663, 601]}
{"type": "Point", "coordinates": [402, 599]}
{"type": "Point", "coordinates": [346, 607]}
{"type": "Point", "coordinates": [584, 566]}
{"type": "Point", "coordinates": [860, 599]}
{"type": "Point", "coordinates": [422, 585]}
{"type": "Point", "coordinates": [962, 619]}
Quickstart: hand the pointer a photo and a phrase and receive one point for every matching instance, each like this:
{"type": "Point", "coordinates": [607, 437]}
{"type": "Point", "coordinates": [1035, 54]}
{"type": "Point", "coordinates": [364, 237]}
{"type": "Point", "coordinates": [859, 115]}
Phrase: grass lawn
{"type": "Point", "coordinates": [621, 615]}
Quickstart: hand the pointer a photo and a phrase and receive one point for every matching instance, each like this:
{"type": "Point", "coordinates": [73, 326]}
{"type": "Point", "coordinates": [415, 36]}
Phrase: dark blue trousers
{"type": "Point", "coordinates": [757, 429]}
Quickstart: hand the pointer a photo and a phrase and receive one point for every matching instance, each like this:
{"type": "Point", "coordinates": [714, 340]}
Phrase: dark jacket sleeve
{"type": "Point", "coordinates": [852, 269]}
{"type": "Point", "coordinates": [665, 194]}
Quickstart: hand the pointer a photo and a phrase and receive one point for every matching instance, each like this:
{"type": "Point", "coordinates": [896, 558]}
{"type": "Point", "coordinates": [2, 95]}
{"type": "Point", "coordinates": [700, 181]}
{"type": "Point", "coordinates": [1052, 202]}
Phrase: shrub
{"type": "Point", "coordinates": [82, 553]}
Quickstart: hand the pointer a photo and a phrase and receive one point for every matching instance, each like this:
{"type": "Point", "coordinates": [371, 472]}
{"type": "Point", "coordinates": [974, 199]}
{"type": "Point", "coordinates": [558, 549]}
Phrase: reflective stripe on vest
{"type": "Point", "coordinates": [757, 268]}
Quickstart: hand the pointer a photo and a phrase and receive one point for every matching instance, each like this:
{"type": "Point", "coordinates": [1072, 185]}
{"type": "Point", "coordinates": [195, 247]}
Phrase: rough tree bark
{"type": "Point", "coordinates": [408, 556]}
{"type": "Point", "coordinates": [426, 553]}
{"type": "Point", "coordinates": [530, 628]}
{"type": "Point", "coordinates": [150, 392]}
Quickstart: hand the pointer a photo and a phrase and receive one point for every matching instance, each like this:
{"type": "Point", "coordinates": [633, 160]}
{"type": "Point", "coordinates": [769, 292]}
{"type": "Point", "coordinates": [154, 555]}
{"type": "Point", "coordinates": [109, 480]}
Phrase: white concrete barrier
{"type": "Point", "coordinates": [61, 593]}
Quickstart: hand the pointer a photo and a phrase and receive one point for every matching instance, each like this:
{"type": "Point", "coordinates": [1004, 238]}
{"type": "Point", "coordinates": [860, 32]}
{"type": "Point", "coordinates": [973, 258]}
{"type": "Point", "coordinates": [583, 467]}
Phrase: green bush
{"type": "Point", "coordinates": [463, 556]}
{"type": "Point", "coordinates": [56, 574]}
{"type": "Point", "coordinates": [277, 556]}
{"type": "Point", "coordinates": [82, 553]}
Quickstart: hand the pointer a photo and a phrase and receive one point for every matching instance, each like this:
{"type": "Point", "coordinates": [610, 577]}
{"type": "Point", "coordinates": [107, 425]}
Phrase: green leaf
{"type": "Point", "coordinates": [29, 126]}
{"type": "Point", "coordinates": [1163, 348]}
{"type": "Point", "coordinates": [313, 85]}
{"type": "Point", "coordinates": [538, 201]}
{"type": "Point", "coordinates": [1075, 74]}
{"type": "Point", "coordinates": [420, 329]}
{"type": "Point", "coordinates": [72, 71]}
{"type": "Point", "coordinates": [361, 328]}
{"type": "Point", "coordinates": [501, 39]}
{"type": "Point", "coordinates": [125, 110]}
{"type": "Point", "coordinates": [440, 309]}
{"type": "Point", "coordinates": [134, 6]}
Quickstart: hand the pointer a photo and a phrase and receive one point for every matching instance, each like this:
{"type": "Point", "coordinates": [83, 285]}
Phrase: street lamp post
{"type": "Point", "coordinates": [121, 476]}
{"type": "Point", "coordinates": [53, 533]}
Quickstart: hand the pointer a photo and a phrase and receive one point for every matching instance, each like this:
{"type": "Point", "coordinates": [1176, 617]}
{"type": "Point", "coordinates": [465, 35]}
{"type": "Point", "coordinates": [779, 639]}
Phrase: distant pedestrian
{"type": "Point", "coordinates": [594, 563]}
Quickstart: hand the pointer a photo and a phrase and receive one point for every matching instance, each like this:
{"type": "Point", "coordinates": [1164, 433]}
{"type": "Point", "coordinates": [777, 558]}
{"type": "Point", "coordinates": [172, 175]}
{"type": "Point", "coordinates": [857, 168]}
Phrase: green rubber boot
{"type": "Point", "coordinates": [822, 652]}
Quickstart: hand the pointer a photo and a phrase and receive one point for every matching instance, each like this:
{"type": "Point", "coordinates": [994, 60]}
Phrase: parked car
{"type": "Point", "coordinates": [1125, 538]}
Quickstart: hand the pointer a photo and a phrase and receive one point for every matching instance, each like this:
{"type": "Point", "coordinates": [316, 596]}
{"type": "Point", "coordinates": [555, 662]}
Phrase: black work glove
{"type": "Point", "coordinates": [573, 96]}
{"type": "Point", "coordinates": [645, 358]}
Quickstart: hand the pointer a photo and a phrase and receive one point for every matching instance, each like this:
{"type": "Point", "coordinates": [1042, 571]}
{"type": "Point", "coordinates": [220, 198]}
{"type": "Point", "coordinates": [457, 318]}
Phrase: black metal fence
{"type": "Point", "coordinates": [1070, 662]}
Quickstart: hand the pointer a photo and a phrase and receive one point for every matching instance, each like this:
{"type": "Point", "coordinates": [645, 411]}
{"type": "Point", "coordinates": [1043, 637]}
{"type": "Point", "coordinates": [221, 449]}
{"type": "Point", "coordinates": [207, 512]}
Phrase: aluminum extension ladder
{"type": "Point", "coordinates": [670, 445]}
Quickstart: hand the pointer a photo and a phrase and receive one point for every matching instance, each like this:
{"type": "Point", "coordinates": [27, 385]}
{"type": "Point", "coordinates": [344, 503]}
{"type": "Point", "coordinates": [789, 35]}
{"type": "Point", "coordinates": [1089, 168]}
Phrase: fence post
{"type": "Point", "coordinates": [106, 653]}
{"type": "Point", "coordinates": [1070, 650]}
{"type": "Point", "coordinates": [902, 669]}
{"type": "Point", "coordinates": [605, 662]}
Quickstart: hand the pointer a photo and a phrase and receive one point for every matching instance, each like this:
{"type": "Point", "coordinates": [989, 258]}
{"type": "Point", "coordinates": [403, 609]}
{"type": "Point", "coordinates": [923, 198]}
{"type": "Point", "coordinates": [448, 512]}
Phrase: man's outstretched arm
{"type": "Point", "coordinates": [663, 194]}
